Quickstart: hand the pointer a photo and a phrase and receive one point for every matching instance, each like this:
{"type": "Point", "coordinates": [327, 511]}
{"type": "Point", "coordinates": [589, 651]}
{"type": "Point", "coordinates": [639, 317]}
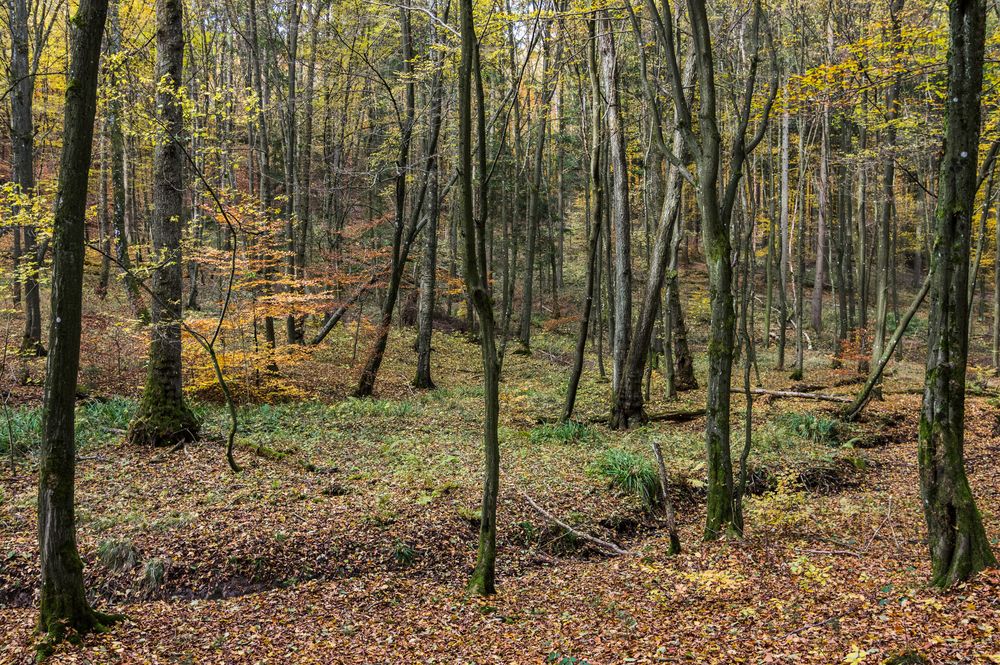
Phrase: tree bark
{"type": "Point", "coordinates": [619, 208]}
{"type": "Point", "coordinates": [163, 418]}
{"type": "Point", "coordinates": [957, 541]}
{"type": "Point", "coordinates": [428, 269]}
{"type": "Point", "coordinates": [483, 580]}
{"type": "Point", "coordinates": [597, 212]}
{"type": "Point", "coordinates": [63, 601]}
{"type": "Point", "coordinates": [23, 153]}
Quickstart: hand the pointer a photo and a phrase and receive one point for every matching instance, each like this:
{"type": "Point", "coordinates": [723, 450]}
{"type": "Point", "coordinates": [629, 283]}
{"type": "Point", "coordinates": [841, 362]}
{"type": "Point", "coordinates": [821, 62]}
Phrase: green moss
{"type": "Point", "coordinates": [161, 421]}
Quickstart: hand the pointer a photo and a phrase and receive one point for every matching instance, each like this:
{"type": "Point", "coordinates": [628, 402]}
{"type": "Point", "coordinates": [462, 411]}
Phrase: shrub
{"type": "Point", "coordinates": [403, 554]}
{"type": "Point", "coordinates": [785, 507]}
{"type": "Point", "coordinates": [630, 473]}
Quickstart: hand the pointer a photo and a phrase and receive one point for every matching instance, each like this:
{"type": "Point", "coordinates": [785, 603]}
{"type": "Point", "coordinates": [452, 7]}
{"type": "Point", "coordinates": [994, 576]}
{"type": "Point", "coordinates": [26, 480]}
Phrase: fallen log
{"type": "Point", "coordinates": [603, 544]}
{"type": "Point", "coordinates": [338, 314]}
{"type": "Point", "coordinates": [858, 404]}
{"type": "Point", "coordinates": [797, 395]}
{"type": "Point", "coordinates": [668, 416]}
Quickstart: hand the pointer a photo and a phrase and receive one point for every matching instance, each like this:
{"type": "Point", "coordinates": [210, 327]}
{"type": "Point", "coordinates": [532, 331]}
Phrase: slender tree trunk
{"type": "Point", "coordinates": [401, 240]}
{"type": "Point", "coordinates": [292, 332]}
{"type": "Point", "coordinates": [888, 191]}
{"type": "Point", "coordinates": [535, 195]}
{"type": "Point", "coordinates": [628, 402]}
{"type": "Point", "coordinates": [23, 152]}
{"type": "Point", "coordinates": [266, 177]}
{"type": "Point", "coordinates": [63, 601]}
{"type": "Point", "coordinates": [800, 260]}
{"type": "Point", "coordinates": [163, 418]}
{"type": "Point", "coordinates": [957, 541]}
{"type": "Point", "coordinates": [619, 208]}
{"type": "Point", "coordinates": [784, 238]}
{"type": "Point", "coordinates": [483, 580]}
{"type": "Point", "coordinates": [118, 189]}
{"type": "Point", "coordinates": [842, 266]}
{"type": "Point", "coordinates": [821, 229]}
{"type": "Point", "coordinates": [428, 269]}
{"type": "Point", "coordinates": [594, 243]}
{"type": "Point", "coordinates": [103, 234]}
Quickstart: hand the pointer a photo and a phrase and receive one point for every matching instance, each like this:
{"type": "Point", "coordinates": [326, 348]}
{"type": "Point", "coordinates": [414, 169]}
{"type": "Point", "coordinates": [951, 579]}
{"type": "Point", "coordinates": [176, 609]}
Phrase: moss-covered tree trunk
{"type": "Point", "coordinates": [956, 538]}
{"type": "Point", "coordinates": [163, 418]}
{"type": "Point", "coordinates": [64, 609]}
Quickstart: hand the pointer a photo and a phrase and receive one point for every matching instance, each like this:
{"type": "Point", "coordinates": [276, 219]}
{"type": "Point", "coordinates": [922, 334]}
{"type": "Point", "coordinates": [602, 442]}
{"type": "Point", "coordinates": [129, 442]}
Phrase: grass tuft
{"type": "Point", "coordinates": [568, 431]}
{"type": "Point", "coordinates": [117, 554]}
{"type": "Point", "coordinates": [630, 473]}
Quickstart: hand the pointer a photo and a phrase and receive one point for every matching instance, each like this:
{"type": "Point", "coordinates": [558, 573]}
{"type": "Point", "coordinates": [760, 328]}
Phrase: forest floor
{"type": "Point", "coordinates": [350, 534]}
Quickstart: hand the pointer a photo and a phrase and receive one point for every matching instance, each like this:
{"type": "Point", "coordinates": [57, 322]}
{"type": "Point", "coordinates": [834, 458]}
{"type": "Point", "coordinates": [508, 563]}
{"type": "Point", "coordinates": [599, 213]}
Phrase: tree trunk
{"type": "Point", "coordinates": [483, 580]}
{"type": "Point", "coordinates": [428, 269]}
{"type": "Point", "coordinates": [117, 141]}
{"type": "Point", "coordinates": [63, 602]}
{"type": "Point", "coordinates": [22, 131]}
{"type": "Point", "coordinates": [163, 418]}
{"type": "Point", "coordinates": [784, 246]}
{"type": "Point", "coordinates": [628, 402]}
{"type": "Point", "coordinates": [800, 260]}
{"type": "Point", "coordinates": [597, 211]}
{"type": "Point", "coordinates": [958, 544]}
{"type": "Point", "coordinates": [401, 240]}
{"type": "Point", "coordinates": [293, 333]}
{"type": "Point", "coordinates": [619, 208]}
{"type": "Point", "coordinates": [888, 191]}
{"type": "Point", "coordinates": [821, 229]}
{"type": "Point", "coordinates": [534, 196]}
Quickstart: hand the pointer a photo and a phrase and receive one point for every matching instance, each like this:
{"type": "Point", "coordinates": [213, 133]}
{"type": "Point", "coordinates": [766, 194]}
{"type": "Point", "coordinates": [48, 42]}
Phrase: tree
{"type": "Point", "coordinates": [404, 232]}
{"type": "Point", "coordinates": [621, 229]}
{"type": "Point", "coordinates": [535, 193]}
{"type": "Point", "coordinates": [428, 268]}
{"type": "Point", "coordinates": [596, 185]}
{"type": "Point", "coordinates": [957, 541]}
{"type": "Point", "coordinates": [163, 418]}
{"type": "Point", "coordinates": [483, 581]}
{"type": "Point", "coordinates": [716, 210]}
{"type": "Point", "coordinates": [24, 61]}
{"type": "Point", "coordinates": [116, 134]}
{"type": "Point", "coordinates": [882, 276]}
{"type": "Point", "coordinates": [64, 608]}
